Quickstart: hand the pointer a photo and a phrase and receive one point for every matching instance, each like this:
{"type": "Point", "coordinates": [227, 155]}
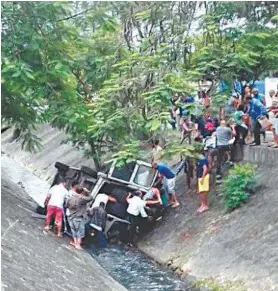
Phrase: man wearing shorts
{"type": "Point", "coordinates": [55, 203]}
{"type": "Point", "coordinates": [203, 182]}
{"type": "Point", "coordinates": [76, 205]}
{"type": "Point", "coordinates": [170, 181]}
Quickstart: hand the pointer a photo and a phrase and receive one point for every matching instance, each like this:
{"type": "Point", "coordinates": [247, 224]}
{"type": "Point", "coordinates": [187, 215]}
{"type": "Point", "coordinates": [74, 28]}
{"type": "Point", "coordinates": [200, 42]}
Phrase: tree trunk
{"type": "Point", "coordinates": [95, 156]}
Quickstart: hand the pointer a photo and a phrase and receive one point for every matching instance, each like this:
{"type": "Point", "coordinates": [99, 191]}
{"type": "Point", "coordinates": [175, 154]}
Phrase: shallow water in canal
{"type": "Point", "coordinates": [136, 271]}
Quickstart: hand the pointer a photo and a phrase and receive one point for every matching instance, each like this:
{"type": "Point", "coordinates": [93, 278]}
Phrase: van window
{"type": "Point", "coordinates": [144, 176]}
{"type": "Point", "coordinates": [124, 173]}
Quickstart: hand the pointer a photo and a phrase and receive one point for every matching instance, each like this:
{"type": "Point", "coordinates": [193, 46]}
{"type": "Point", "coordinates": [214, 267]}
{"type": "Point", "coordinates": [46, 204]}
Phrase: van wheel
{"type": "Point", "coordinates": [88, 171]}
{"type": "Point", "coordinates": [62, 167]}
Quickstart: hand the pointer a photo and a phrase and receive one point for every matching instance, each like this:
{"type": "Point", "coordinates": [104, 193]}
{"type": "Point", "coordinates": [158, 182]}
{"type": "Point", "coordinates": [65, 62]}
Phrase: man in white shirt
{"type": "Point", "coordinates": [136, 208]}
{"type": "Point", "coordinates": [55, 203]}
{"type": "Point", "coordinates": [101, 197]}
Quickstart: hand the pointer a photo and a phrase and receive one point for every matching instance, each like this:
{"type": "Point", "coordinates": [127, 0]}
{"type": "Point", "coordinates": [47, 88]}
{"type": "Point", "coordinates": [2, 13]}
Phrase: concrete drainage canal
{"type": "Point", "coordinates": [137, 272]}
{"type": "Point", "coordinates": [131, 268]}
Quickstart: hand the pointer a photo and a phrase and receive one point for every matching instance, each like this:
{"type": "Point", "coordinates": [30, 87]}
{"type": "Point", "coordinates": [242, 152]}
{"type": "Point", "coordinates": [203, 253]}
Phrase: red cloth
{"type": "Point", "coordinates": [57, 212]}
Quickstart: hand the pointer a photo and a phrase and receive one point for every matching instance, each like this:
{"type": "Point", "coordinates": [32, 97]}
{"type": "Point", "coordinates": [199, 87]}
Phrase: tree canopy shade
{"type": "Point", "coordinates": [105, 71]}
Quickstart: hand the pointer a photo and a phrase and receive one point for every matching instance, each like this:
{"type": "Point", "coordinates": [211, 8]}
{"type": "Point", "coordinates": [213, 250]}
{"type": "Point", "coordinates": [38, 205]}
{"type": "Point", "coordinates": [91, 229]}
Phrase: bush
{"type": "Point", "coordinates": [238, 184]}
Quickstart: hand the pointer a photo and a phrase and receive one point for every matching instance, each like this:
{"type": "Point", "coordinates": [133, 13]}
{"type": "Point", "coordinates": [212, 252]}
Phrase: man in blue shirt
{"type": "Point", "coordinates": [258, 95]}
{"type": "Point", "coordinates": [255, 110]}
{"type": "Point", "coordinates": [169, 180]}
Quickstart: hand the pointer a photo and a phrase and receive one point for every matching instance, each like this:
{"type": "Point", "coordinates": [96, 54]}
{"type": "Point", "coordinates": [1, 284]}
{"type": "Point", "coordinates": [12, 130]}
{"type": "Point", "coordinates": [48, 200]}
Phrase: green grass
{"type": "Point", "coordinates": [211, 285]}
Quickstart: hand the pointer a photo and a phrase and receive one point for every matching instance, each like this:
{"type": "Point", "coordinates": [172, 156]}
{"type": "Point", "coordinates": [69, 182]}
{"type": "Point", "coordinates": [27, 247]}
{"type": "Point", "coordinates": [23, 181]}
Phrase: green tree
{"type": "Point", "coordinates": [105, 71]}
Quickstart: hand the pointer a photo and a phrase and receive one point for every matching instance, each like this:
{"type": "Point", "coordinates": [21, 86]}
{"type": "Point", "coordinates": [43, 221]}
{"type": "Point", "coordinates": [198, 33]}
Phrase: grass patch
{"type": "Point", "coordinates": [211, 285]}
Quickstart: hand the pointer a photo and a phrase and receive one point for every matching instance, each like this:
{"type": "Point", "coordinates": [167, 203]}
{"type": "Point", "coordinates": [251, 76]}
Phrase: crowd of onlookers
{"type": "Point", "coordinates": [245, 116]}
{"type": "Point", "coordinates": [243, 120]}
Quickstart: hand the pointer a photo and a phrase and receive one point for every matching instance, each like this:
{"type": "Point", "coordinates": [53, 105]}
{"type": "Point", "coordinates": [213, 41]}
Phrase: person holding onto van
{"type": "Point", "coordinates": [152, 197]}
{"type": "Point", "coordinates": [135, 210]}
{"type": "Point", "coordinates": [55, 204]}
{"type": "Point", "coordinates": [74, 186]}
{"type": "Point", "coordinates": [102, 197]}
{"type": "Point", "coordinates": [169, 180]}
{"type": "Point", "coordinates": [98, 217]}
{"type": "Point", "coordinates": [77, 204]}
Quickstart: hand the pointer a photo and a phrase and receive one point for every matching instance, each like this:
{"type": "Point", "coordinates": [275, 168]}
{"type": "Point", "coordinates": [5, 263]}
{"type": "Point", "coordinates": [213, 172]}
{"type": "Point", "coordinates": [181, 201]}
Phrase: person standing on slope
{"type": "Point", "coordinates": [169, 180]}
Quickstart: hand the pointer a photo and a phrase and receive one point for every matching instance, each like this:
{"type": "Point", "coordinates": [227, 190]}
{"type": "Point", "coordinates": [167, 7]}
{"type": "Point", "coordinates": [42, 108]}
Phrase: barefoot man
{"type": "Point", "coordinates": [170, 179]}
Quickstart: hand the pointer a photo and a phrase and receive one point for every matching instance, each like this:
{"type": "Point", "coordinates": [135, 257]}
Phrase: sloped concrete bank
{"type": "Point", "coordinates": [240, 246]}
{"type": "Point", "coordinates": [33, 261]}
{"type": "Point", "coordinates": [42, 163]}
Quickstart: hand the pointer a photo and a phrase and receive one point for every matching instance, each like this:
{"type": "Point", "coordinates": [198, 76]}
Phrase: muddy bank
{"type": "Point", "coordinates": [33, 261]}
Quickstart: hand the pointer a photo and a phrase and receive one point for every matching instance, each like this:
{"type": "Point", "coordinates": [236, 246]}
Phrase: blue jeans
{"type": "Point", "coordinates": [101, 241]}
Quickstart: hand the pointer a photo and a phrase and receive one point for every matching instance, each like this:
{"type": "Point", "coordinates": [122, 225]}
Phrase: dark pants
{"type": "Point", "coordinates": [134, 222]}
{"type": "Point", "coordinates": [101, 241]}
{"type": "Point", "coordinates": [220, 156]}
{"type": "Point", "coordinates": [257, 131]}
{"type": "Point", "coordinates": [241, 134]}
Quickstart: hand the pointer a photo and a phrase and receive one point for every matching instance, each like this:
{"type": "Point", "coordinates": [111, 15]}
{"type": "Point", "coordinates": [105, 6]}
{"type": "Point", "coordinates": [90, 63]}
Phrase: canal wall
{"type": "Point", "coordinates": [238, 246]}
{"type": "Point", "coordinates": [241, 245]}
{"type": "Point", "coordinates": [34, 261]}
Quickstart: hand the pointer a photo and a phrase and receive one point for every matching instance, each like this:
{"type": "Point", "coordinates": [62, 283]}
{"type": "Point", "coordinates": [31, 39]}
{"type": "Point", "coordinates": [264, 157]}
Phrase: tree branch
{"type": "Point", "coordinates": [75, 15]}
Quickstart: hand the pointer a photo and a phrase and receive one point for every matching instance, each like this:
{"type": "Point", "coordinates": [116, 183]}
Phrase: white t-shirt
{"type": "Point", "coordinates": [100, 198]}
{"type": "Point", "coordinates": [136, 206]}
{"type": "Point", "coordinates": [58, 195]}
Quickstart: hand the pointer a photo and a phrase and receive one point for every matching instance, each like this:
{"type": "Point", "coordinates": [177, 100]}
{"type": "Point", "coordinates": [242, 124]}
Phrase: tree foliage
{"type": "Point", "coordinates": [105, 71]}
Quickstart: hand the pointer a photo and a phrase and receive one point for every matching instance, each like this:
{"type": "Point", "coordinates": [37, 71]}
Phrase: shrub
{"type": "Point", "coordinates": [238, 184]}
